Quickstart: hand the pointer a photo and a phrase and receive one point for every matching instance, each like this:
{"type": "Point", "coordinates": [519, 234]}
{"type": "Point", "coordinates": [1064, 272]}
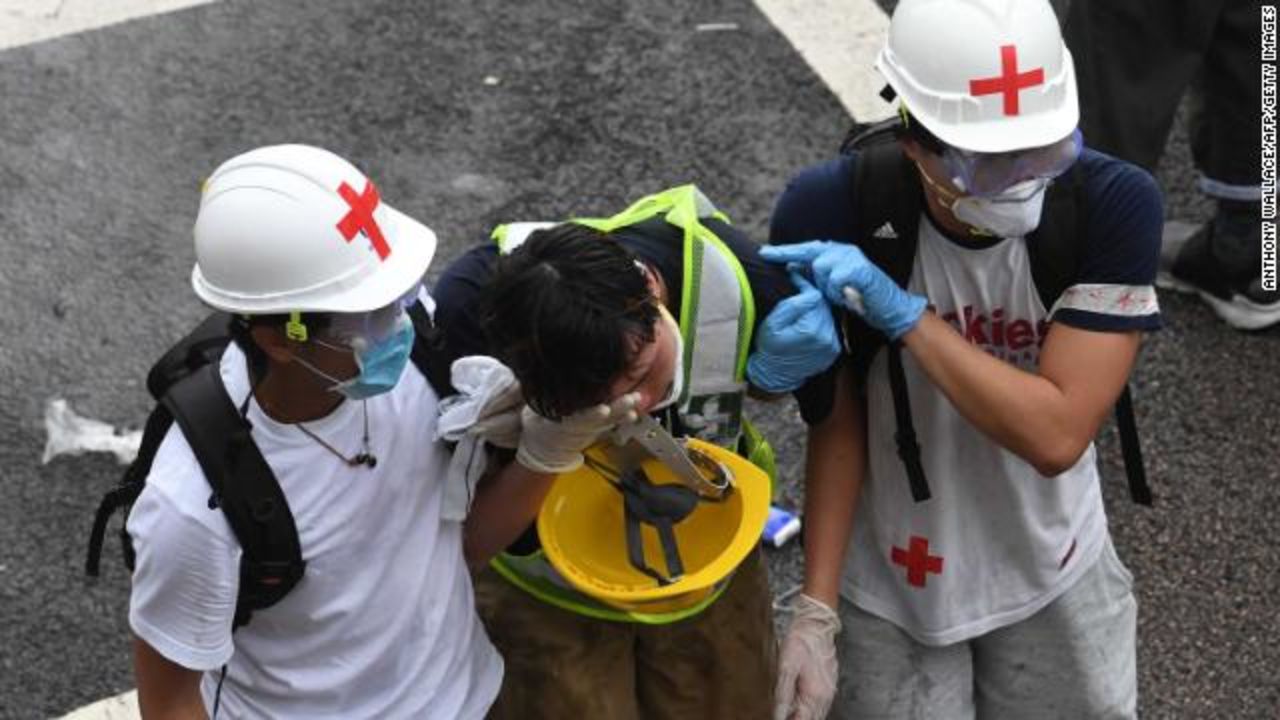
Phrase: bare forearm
{"type": "Point", "coordinates": [1047, 419]}
{"type": "Point", "coordinates": [1025, 413]}
{"type": "Point", "coordinates": [166, 691]}
{"type": "Point", "coordinates": [504, 507]}
{"type": "Point", "coordinates": [834, 467]}
{"type": "Point", "coordinates": [162, 704]}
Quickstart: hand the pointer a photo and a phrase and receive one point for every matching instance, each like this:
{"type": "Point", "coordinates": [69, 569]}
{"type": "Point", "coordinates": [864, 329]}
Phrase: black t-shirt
{"type": "Point", "coordinates": [659, 244]}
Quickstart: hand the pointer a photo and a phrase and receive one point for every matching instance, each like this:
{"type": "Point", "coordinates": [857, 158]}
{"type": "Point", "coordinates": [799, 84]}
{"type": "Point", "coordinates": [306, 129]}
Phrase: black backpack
{"type": "Point", "coordinates": [188, 389]}
{"type": "Point", "coordinates": [889, 193]}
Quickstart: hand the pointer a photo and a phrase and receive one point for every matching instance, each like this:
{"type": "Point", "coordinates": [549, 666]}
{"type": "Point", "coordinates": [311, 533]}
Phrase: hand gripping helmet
{"type": "Point", "coordinates": [293, 228]}
{"type": "Point", "coordinates": [649, 544]}
{"type": "Point", "coordinates": [987, 76]}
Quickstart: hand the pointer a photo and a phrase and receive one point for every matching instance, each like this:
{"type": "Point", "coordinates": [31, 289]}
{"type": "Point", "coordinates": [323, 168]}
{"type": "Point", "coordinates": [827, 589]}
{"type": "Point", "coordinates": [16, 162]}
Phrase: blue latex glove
{"type": "Point", "coordinates": [836, 266]}
{"type": "Point", "coordinates": [795, 342]}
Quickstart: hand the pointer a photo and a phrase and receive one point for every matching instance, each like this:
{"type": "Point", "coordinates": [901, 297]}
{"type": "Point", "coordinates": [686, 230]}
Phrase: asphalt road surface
{"type": "Point", "coordinates": [469, 114]}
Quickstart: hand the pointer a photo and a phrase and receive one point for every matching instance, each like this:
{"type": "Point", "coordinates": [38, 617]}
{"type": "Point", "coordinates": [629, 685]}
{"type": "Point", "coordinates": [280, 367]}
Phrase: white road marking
{"type": "Point", "coordinates": [70, 434]}
{"type": "Point", "coordinates": [28, 21]}
{"type": "Point", "coordinates": [839, 39]}
{"type": "Point", "coordinates": [121, 707]}
{"type": "Point", "coordinates": [716, 27]}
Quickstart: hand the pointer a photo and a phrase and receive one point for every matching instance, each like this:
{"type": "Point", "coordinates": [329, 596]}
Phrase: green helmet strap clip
{"type": "Point", "coordinates": [295, 329]}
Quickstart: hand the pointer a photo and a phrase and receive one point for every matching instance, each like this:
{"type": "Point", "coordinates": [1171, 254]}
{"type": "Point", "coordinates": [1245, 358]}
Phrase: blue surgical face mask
{"type": "Point", "coordinates": [381, 364]}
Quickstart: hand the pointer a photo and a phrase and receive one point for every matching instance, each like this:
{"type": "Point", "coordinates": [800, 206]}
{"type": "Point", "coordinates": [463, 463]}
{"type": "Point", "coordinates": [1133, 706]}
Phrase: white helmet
{"type": "Point", "coordinates": [293, 228]}
{"type": "Point", "coordinates": [982, 75]}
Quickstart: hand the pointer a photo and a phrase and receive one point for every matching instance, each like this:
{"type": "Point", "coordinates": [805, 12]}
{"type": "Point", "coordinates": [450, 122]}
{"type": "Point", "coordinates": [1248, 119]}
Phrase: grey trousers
{"type": "Point", "coordinates": [1074, 659]}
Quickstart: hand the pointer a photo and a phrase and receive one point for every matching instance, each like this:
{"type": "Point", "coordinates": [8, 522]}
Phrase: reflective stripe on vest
{"type": "Point", "coordinates": [512, 235]}
{"type": "Point", "coordinates": [717, 316]}
{"type": "Point", "coordinates": [536, 576]}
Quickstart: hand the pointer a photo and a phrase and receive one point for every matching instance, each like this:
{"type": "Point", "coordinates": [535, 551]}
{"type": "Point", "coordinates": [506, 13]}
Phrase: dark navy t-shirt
{"type": "Point", "coordinates": [1113, 290]}
{"type": "Point", "coordinates": [1123, 223]}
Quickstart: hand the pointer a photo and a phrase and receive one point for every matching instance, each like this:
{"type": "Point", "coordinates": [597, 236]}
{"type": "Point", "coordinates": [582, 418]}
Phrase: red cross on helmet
{"type": "Point", "coordinates": [986, 76]}
{"type": "Point", "coordinates": [296, 228]}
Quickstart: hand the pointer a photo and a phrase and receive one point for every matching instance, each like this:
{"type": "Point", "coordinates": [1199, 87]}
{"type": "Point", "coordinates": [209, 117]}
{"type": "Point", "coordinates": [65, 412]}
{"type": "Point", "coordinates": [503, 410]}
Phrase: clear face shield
{"type": "Point", "coordinates": [986, 175]}
{"type": "Point", "coordinates": [360, 330]}
{"type": "Point", "coordinates": [381, 341]}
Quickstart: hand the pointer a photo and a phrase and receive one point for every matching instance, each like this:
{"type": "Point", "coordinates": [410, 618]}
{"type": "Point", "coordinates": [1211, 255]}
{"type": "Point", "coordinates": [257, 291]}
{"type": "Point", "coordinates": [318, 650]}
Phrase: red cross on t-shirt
{"type": "Point", "coordinates": [360, 217]}
{"type": "Point", "coordinates": [1010, 81]}
{"type": "Point", "coordinates": [917, 560]}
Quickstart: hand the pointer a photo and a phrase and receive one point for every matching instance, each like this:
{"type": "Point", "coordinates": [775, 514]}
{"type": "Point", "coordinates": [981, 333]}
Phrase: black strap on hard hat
{"type": "Point", "coordinates": [660, 506]}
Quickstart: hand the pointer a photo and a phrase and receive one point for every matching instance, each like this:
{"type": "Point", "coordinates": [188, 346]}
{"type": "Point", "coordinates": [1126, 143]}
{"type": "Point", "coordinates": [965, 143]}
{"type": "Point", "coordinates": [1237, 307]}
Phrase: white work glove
{"type": "Point", "coordinates": [555, 446]}
{"type": "Point", "coordinates": [807, 666]}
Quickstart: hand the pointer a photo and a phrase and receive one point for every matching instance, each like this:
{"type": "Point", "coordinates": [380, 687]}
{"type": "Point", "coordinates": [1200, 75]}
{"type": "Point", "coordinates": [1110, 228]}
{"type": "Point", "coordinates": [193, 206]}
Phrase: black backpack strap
{"type": "Point", "coordinates": [428, 353]}
{"type": "Point", "coordinates": [1054, 249]}
{"type": "Point", "coordinates": [127, 491]}
{"type": "Point", "coordinates": [863, 135]}
{"type": "Point", "coordinates": [1131, 448]}
{"type": "Point", "coordinates": [243, 485]}
{"type": "Point", "coordinates": [888, 191]}
{"type": "Point", "coordinates": [905, 434]}
{"type": "Point", "coordinates": [202, 346]}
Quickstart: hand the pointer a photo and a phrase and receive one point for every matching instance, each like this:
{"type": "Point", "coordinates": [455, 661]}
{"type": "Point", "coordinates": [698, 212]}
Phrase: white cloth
{"type": "Point", "coordinates": [486, 408]}
{"type": "Point", "coordinates": [382, 624]}
{"type": "Point", "coordinates": [1075, 658]}
{"type": "Point", "coordinates": [997, 541]}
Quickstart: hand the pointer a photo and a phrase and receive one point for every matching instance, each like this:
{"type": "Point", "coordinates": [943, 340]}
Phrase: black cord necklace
{"type": "Point", "coordinates": [364, 457]}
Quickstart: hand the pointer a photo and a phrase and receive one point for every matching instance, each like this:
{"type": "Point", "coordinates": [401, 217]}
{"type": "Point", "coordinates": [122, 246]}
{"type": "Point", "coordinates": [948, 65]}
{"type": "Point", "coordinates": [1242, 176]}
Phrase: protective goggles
{"type": "Point", "coordinates": [988, 174]}
{"type": "Point", "coordinates": [354, 330]}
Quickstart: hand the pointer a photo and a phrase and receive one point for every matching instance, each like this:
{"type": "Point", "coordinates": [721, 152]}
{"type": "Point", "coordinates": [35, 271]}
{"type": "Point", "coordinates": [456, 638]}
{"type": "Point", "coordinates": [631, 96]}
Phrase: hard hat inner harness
{"type": "Point", "coordinates": [661, 506]}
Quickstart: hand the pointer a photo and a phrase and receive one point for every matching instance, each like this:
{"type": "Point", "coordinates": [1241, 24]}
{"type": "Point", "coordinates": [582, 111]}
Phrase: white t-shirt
{"type": "Point", "coordinates": [382, 624]}
{"type": "Point", "coordinates": [997, 541]}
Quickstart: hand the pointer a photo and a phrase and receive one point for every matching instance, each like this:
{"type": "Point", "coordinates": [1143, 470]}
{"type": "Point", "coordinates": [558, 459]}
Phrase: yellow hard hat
{"type": "Point", "coordinates": [609, 535]}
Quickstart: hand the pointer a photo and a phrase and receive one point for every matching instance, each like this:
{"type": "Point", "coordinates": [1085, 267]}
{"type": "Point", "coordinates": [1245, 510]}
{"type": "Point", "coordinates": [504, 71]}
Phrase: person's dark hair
{"type": "Point", "coordinates": [567, 311]}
